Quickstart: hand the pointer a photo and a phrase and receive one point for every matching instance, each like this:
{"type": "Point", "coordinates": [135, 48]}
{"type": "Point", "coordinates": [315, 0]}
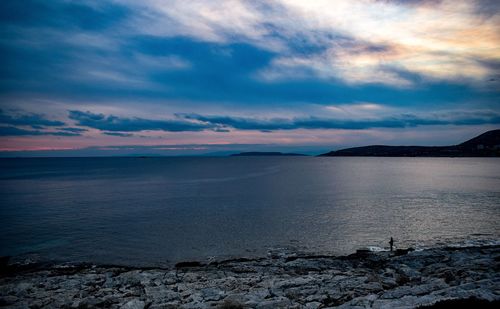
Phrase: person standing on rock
{"type": "Point", "coordinates": [391, 242]}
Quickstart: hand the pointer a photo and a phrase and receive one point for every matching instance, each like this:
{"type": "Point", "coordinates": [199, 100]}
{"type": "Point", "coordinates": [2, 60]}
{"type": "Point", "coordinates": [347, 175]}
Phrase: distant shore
{"type": "Point", "coordinates": [403, 279]}
{"type": "Point", "coordinates": [484, 145]}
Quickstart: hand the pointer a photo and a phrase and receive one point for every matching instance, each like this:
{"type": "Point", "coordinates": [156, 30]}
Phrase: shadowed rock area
{"type": "Point", "coordinates": [411, 279]}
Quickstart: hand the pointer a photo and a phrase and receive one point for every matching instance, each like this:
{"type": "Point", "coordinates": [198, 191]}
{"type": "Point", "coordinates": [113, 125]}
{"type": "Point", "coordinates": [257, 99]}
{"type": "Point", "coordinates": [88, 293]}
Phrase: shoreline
{"type": "Point", "coordinates": [403, 279]}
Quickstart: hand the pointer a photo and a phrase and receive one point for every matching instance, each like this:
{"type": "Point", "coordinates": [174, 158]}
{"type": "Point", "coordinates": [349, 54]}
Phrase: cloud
{"type": "Point", "coordinates": [121, 124]}
{"type": "Point", "coordinates": [119, 134]}
{"type": "Point", "coordinates": [73, 130]}
{"type": "Point", "coordinates": [271, 52]}
{"type": "Point", "coordinates": [84, 15]}
{"type": "Point", "coordinates": [357, 42]}
{"type": "Point", "coordinates": [413, 2]}
{"type": "Point", "coordinates": [446, 44]}
{"type": "Point", "coordinates": [438, 40]}
{"type": "Point", "coordinates": [400, 121]}
{"type": "Point", "coordinates": [14, 131]}
{"type": "Point", "coordinates": [28, 120]}
{"type": "Point", "coordinates": [221, 21]}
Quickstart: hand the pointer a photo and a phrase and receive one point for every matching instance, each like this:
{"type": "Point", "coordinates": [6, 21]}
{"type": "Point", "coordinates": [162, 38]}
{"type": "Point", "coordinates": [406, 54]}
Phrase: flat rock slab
{"type": "Point", "coordinates": [368, 280]}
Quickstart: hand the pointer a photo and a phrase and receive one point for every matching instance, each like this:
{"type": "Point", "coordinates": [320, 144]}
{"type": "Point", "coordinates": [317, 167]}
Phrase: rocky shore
{"type": "Point", "coordinates": [404, 279]}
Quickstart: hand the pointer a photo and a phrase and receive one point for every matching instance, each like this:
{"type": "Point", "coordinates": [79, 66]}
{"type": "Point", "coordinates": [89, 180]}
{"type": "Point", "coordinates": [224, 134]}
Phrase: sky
{"type": "Point", "coordinates": [118, 77]}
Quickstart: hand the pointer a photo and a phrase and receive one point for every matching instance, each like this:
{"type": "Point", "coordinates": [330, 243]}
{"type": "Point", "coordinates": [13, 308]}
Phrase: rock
{"type": "Point", "coordinates": [188, 264]}
{"type": "Point", "coordinates": [134, 304]}
{"type": "Point", "coordinates": [301, 281]}
{"type": "Point", "coordinates": [400, 252]}
{"type": "Point", "coordinates": [260, 293]}
{"type": "Point", "coordinates": [280, 302]}
{"type": "Point", "coordinates": [109, 283]}
{"type": "Point", "coordinates": [169, 278]}
{"type": "Point", "coordinates": [168, 305]}
{"type": "Point", "coordinates": [415, 290]}
{"type": "Point", "coordinates": [448, 275]}
{"type": "Point", "coordinates": [4, 264]}
{"type": "Point", "coordinates": [361, 302]}
{"type": "Point", "coordinates": [408, 272]}
{"type": "Point", "coordinates": [160, 294]}
{"type": "Point", "coordinates": [212, 294]}
{"type": "Point", "coordinates": [8, 300]}
{"type": "Point", "coordinates": [90, 302]}
{"type": "Point", "coordinates": [195, 305]}
{"type": "Point", "coordinates": [371, 287]}
{"type": "Point", "coordinates": [388, 283]}
{"type": "Point", "coordinates": [230, 304]}
{"type": "Point", "coordinates": [360, 254]}
{"type": "Point", "coordinates": [314, 305]}
{"type": "Point", "coordinates": [378, 280]}
{"type": "Point", "coordinates": [402, 279]}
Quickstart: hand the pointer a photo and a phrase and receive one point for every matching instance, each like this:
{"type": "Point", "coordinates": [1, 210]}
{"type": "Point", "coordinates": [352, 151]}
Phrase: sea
{"type": "Point", "coordinates": [157, 211]}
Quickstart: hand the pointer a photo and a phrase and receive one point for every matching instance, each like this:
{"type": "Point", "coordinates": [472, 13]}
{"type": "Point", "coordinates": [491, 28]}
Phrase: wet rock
{"type": "Point", "coordinates": [4, 264]}
{"type": "Point", "coordinates": [400, 252]}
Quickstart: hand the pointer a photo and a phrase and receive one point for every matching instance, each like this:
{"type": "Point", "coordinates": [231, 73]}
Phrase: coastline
{"type": "Point", "coordinates": [403, 279]}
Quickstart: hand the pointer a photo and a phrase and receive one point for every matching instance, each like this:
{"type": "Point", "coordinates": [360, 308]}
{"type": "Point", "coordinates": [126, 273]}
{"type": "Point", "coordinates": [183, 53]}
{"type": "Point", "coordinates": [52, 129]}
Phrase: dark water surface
{"type": "Point", "coordinates": [155, 211]}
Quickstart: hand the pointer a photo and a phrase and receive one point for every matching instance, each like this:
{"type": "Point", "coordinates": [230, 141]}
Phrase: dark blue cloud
{"type": "Point", "coordinates": [230, 76]}
{"type": "Point", "coordinates": [118, 134]}
{"type": "Point", "coordinates": [61, 14]}
{"type": "Point", "coordinates": [121, 124]}
{"type": "Point", "coordinates": [73, 130]}
{"type": "Point", "coordinates": [401, 121]}
{"type": "Point", "coordinates": [487, 8]}
{"type": "Point", "coordinates": [34, 120]}
{"type": "Point", "coordinates": [14, 131]}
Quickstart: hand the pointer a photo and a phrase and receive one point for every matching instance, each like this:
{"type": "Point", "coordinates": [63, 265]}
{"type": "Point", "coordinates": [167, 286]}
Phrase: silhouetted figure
{"type": "Point", "coordinates": [391, 242]}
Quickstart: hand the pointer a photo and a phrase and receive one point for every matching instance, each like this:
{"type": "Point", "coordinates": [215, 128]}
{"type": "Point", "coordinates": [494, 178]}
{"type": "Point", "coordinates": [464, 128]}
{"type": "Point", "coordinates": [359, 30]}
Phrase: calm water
{"type": "Point", "coordinates": [147, 211]}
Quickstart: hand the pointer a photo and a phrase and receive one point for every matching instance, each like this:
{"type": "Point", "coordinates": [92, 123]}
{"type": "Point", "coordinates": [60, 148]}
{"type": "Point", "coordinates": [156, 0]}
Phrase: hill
{"type": "Point", "coordinates": [484, 145]}
{"type": "Point", "coordinates": [265, 154]}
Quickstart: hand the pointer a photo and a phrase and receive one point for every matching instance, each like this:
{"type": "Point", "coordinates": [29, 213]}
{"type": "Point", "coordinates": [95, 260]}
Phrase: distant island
{"type": "Point", "coordinates": [265, 154]}
{"type": "Point", "coordinates": [484, 145]}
